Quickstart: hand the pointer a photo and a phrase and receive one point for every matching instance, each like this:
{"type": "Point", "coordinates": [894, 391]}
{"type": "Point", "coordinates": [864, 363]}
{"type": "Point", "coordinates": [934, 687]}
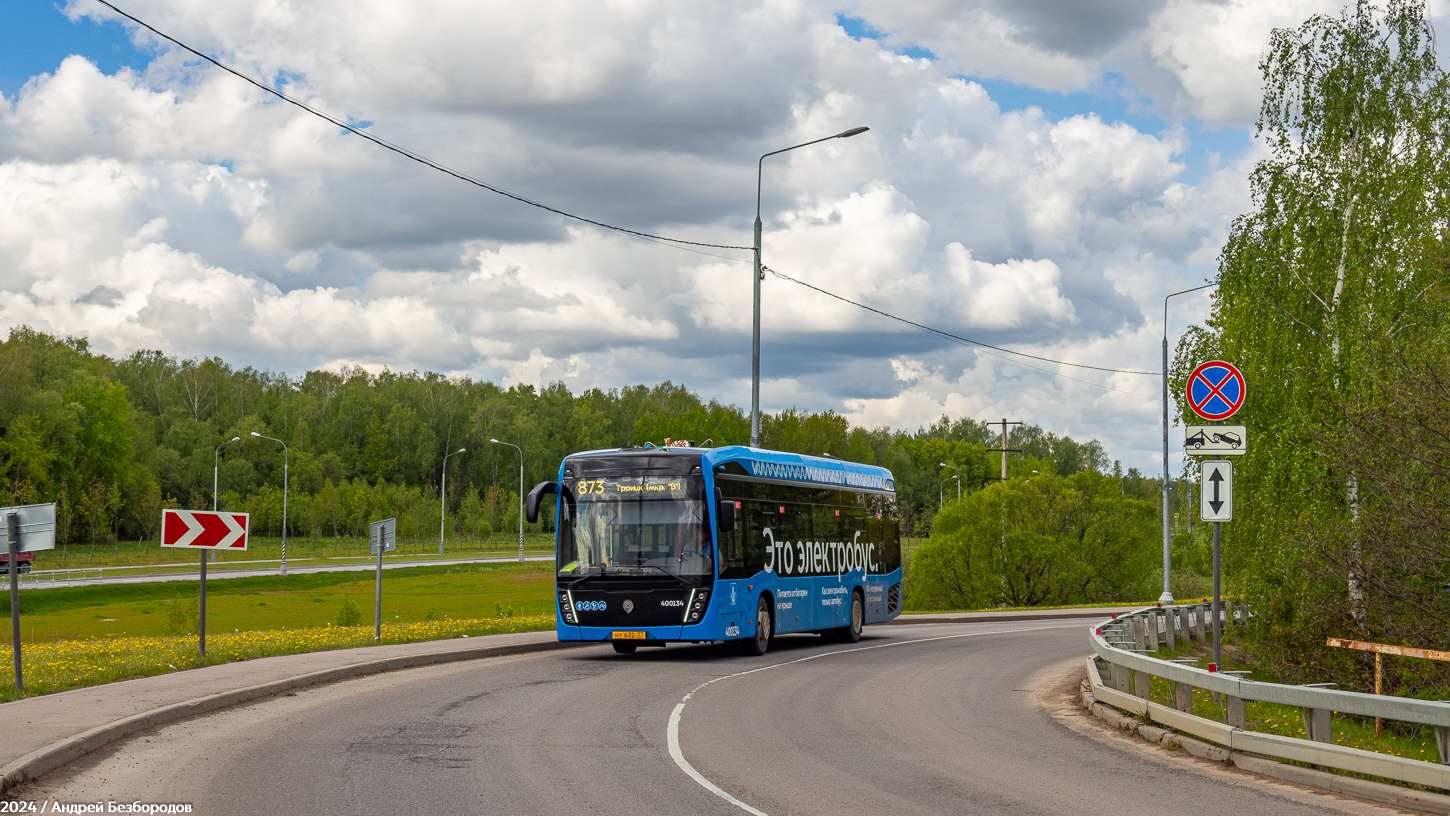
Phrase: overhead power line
{"type": "Point", "coordinates": [679, 242]}
{"type": "Point", "coordinates": [956, 337]}
{"type": "Point", "coordinates": [402, 151]}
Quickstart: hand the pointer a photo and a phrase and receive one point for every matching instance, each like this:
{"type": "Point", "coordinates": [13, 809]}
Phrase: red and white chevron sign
{"type": "Point", "coordinates": [203, 529]}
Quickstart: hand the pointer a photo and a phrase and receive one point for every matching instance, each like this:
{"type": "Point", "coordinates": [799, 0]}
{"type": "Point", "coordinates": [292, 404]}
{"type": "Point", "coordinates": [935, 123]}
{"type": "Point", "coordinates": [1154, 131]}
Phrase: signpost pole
{"type": "Point", "coordinates": [1217, 622]}
{"type": "Point", "coordinates": [378, 594]}
{"type": "Point", "coordinates": [12, 529]}
{"type": "Point", "coordinates": [201, 608]}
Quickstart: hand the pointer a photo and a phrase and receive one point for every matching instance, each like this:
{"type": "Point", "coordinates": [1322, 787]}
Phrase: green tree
{"type": "Point", "coordinates": [1343, 251]}
{"type": "Point", "coordinates": [1030, 542]}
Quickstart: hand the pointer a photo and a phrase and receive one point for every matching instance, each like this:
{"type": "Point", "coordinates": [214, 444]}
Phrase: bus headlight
{"type": "Point", "coordinates": [566, 605]}
{"type": "Point", "coordinates": [696, 606]}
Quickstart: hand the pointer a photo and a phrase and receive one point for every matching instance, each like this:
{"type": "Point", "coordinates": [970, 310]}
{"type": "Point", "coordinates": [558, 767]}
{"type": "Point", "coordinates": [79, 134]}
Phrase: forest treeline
{"type": "Point", "coordinates": [113, 441]}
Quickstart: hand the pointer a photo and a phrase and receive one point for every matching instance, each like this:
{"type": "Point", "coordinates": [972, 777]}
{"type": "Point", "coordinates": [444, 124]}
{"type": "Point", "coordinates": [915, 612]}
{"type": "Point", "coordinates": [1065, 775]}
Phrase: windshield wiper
{"type": "Point", "coordinates": [665, 572]}
{"type": "Point", "coordinates": [581, 579]}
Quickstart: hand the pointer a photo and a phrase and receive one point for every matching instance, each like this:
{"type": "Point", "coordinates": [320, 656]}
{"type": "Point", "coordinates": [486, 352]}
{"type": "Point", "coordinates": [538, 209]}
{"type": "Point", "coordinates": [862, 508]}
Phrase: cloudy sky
{"type": "Point", "coordinates": [1038, 175]}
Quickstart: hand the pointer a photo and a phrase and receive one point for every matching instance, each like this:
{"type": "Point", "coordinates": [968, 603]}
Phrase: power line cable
{"type": "Point", "coordinates": [679, 242]}
{"type": "Point", "coordinates": [402, 151]}
{"type": "Point", "coordinates": [956, 337]}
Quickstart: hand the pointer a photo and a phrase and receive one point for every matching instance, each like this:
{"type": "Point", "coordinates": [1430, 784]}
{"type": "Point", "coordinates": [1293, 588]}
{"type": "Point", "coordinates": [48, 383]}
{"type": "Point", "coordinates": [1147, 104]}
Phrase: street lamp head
{"type": "Point", "coordinates": [855, 131]}
{"type": "Point", "coordinates": [460, 450]}
{"type": "Point", "coordinates": [495, 441]}
{"type": "Point", "coordinates": [254, 433]}
{"type": "Point", "coordinates": [943, 464]}
{"type": "Point", "coordinates": [235, 439]}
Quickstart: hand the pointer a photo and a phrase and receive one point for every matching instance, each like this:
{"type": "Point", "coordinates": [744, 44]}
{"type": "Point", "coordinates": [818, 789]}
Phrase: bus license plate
{"type": "Point", "coordinates": [628, 635]}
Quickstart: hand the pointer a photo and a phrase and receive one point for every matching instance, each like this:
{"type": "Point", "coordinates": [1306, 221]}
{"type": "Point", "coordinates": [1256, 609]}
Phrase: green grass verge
{"type": "Point", "coordinates": [269, 602]}
{"type": "Point", "coordinates": [65, 665]}
{"type": "Point", "coordinates": [74, 637]}
{"type": "Point", "coordinates": [260, 548]}
{"type": "Point", "coordinates": [1399, 739]}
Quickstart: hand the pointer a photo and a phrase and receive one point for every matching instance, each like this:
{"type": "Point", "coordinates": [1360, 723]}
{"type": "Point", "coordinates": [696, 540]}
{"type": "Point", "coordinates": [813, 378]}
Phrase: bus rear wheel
{"type": "Point", "coordinates": [758, 645]}
{"type": "Point", "coordinates": [851, 632]}
{"type": "Point", "coordinates": [624, 648]}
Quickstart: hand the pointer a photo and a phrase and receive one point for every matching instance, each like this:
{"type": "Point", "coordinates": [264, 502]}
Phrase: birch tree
{"type": "Point", "coordinates": [1342, 253]}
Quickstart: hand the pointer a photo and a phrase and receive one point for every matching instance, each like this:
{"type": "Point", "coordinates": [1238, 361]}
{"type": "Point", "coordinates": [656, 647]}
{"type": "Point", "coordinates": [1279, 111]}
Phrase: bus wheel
{"type": "Point", "coordinates": [625, 648]}
{"type": "Point", "coordinates": [761, 642]}
{"type": "Point", "coordinates": [851, 633]}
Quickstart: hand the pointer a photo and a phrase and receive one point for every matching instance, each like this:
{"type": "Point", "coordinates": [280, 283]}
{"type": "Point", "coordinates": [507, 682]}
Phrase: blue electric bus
{"type": "Point", "coordinates": [681, 543]}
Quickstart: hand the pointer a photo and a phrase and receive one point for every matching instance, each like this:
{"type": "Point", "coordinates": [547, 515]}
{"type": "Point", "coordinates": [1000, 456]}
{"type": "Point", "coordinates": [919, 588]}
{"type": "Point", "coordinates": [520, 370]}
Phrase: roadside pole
{"type": "Point", "coordinates": [382, 537]}
{"type": "Point", "coordinates": [1217, 618]}
{"type": "Point", "coordinates": [1216, 391]}
{"type": "Point", "coordinates": [37, 524]}
{"type": "Point", "coordinates": [201, 607]}
{"type": "Point", "coordinates": [12, 528]}
{"type": "Point", "coordinates": [206, 531]}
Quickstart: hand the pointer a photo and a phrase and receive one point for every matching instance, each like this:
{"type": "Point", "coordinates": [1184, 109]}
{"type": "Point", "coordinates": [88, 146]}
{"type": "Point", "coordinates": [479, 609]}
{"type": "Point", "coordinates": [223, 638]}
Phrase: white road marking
{"type": "Point", "coordinates": [674, 727]}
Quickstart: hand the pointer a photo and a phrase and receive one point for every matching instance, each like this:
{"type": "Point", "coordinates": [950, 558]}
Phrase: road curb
{"type": "Point", "coordinates": [40, 762]}
{"type": "Point", "coordinates": [1380, 792]}
{"type": "Point", "coordinates": [999, 617]}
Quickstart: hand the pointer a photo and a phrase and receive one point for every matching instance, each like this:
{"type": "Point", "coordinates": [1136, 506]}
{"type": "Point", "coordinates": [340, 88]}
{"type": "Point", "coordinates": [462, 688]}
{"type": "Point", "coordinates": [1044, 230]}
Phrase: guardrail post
{"type": "Point", "coordinates": [1150, 628]}
{"type": "Point", "coordinates": [1139, 634]}
{"type": "Point", "coordinates": [1142, 684]}
{"type": "Point", "coordinates": [1183, 697]}
{"type": "Point", "coordinates": [1234, 712]}
{"type": "Point", "coordinates": [1168, 622]}
{"type": "Point", "coordinates": [1318, 725]}
{"type": "Point", "coordinates": [1121, 681]}
{"type": "Point", "coordinates": [1195, 622]}
{"type": "Point", "coordinates": [1183, 629]}
{"type": "Point", "coordinates": [1442, 740]}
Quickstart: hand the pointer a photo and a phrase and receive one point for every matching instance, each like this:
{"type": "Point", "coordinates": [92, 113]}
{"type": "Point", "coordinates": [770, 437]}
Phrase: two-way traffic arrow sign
{"type": "Point", "coordinates": [1216, 491]}
{"type": "Point", "coordinates": [203, 529]}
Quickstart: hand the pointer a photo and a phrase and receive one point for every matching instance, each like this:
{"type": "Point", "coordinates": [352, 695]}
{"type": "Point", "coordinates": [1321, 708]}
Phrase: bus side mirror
{"type": "Point", "coordinates": [724, 513]}
{"type": "Point", "coordinates": [531, 507]}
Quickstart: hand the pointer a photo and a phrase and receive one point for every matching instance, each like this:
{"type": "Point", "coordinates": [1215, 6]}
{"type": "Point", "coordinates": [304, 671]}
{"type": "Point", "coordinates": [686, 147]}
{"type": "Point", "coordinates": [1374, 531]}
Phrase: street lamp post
{"type": "Point", "coordinates": [958, 478]}
{"type": "Point", "coordinates": [521, 494]}
{"type": "Point", "coordinates": [214, 457]}
{"type": "Point", "coordinates": [443, 498]}
{"type": "Point", "coordinates": [759, 275]}
{"type": "Point", "coordinates": [286, 456]}
{"type": "Point", "coordinates": [1167, 596]}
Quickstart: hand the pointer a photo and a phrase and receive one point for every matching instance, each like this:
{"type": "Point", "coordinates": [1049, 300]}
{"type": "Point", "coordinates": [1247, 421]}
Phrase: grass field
{"type": "Point", "coordinates": [136, 553]}
{"type": "Point", "coordinates": [274, 602]}
{"type": "Point", "coordinates": [82, 636]}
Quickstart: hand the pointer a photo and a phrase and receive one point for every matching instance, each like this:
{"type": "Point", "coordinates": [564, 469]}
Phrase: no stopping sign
{"type": "Point", "coordinates": [1216, 390]}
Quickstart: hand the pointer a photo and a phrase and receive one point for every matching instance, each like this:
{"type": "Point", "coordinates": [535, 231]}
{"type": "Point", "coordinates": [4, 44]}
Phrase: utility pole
{"type": "Point", "coordinates": [1004, 450]}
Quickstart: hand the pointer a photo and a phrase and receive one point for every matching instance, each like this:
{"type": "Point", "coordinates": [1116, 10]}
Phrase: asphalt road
{"type": "Point", "coordinates": [952, 718]}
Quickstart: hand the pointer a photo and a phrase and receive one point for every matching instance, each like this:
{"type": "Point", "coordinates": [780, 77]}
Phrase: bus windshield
{"type": "Point", "coordinates": [635, 525]}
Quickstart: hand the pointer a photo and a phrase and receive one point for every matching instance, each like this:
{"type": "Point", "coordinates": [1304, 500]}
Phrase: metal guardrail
{"type": "Point", "coordinates": [1122, 671]}
{"type": "Point", "coordinates": [63, 575]}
